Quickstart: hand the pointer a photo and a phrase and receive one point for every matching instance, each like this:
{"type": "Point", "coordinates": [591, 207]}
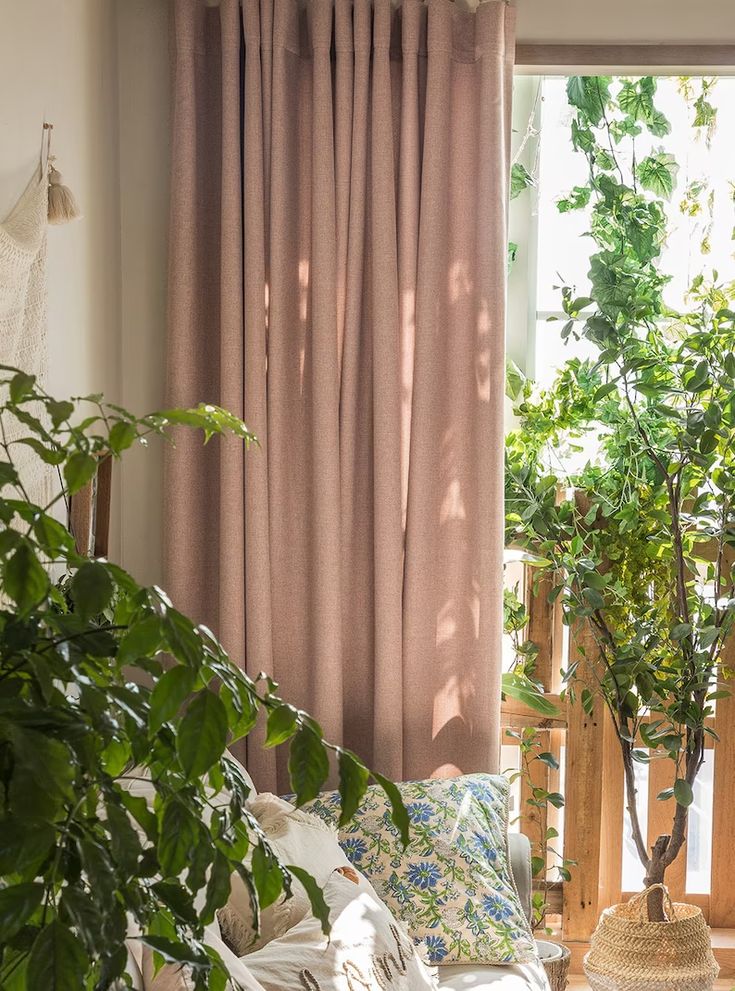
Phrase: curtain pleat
{"type": "Point", "coordinates": [338, 235]}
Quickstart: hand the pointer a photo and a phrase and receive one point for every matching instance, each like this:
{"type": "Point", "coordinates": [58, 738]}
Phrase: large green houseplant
{"type": "Point", "coordinates": [101, 679]}
{"type": "Point", "coordinates": [621, 475]}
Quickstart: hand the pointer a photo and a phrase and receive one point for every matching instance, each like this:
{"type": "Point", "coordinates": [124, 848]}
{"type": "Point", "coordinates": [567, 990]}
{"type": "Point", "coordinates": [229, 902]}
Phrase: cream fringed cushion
{"type": "Point", "coordinates": [367, 948]}
{"type": "Point", "coordinates": [296, 838]}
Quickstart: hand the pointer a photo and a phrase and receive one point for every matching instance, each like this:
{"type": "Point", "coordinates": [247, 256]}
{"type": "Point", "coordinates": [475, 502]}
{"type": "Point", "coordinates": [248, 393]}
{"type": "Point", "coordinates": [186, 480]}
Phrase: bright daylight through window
{"type": "Point", "coordinates": [670, 140]}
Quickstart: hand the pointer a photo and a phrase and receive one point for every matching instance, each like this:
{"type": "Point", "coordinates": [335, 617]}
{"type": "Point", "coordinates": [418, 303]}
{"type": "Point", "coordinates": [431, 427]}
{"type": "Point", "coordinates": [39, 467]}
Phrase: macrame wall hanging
{"type": "Point", "coordinates": [23, 294]}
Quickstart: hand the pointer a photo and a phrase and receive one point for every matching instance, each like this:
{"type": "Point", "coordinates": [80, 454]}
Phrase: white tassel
{"type": "Point", "coordinates": [62, 206]}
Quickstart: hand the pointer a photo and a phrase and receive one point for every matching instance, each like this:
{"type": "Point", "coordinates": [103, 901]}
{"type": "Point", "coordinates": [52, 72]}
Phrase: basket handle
{"type": "Point", "coordinates": [641, 899]}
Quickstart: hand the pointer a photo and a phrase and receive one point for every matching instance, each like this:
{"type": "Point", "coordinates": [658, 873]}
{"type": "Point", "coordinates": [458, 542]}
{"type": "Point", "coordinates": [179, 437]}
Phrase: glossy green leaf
{"type": "Point", "coordinates": [58, 961]}
{"type": "Point", "coordinates": [142, 639]}
{"type": "Point", "coordinates": [282, 723]}
{"type": "Point", "coordinates": [17, 904]}
{"type": "Point", "coordinates": [218, 887]}
{"type": "Point", "coordinates": [267, 875]}
{"type": "Point", "coordinates": [178, 834]}
{"type": "Point", "coordinates": [319, 907]}
{"type": "Point", "coordinates": [202, 734]}
{"type": "Point", "coordinates": [59, 411]}
{"type": "Point", "coordinates": [169, 695]}
{"type": "Point", "coordinates": [50, 455]}
{"type": "Point", "coordinates": [122, 435]}
{"type": "Point", "coordinates": [523, 690]}
{"type": "Point", "coordinates": [399, 815]}
{"type": "Point", "coordinates": [354, 778]}
{"type": "Point", "coordinates": [91, 589]}
{"type": "Point", "coordinates": [308, 764]}
{"type": "Point", "coordinates": [683, 792]}
{"type": "Point", "coordinates": [8, 474]}
{"type": "Point", "coordinates": [53, 538]}
{"type": "Point", "coordinates": [25, 580]}
{"type": "Point", "coordinates": [175, 951]}
{"type": "Point", "coordinates": [79, 469]}
{"type": "Point", "coordinates": [23, 842]}
{"type": "Point", "coordinates": [21, 386]}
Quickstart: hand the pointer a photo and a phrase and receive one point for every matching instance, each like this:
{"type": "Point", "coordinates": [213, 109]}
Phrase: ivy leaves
{"type": "Point", "coordinates": [636, 100]}
{"type": "Point", "coordinates": [520, 179]}
{"type": "Point", "coordinates": [590, 95]}
{"type": "Point", "coordinates": [657, 173]}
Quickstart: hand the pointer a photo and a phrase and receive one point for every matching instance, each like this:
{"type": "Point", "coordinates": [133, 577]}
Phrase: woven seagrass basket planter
{"type": "Point", "coordinates": [557, 970]}
{"type": "Point", "coordinates": [630, 953]}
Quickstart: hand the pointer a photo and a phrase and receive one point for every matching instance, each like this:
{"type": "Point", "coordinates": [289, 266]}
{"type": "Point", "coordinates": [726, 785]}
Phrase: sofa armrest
{"type": "Point", "coordinates": [519, 848]}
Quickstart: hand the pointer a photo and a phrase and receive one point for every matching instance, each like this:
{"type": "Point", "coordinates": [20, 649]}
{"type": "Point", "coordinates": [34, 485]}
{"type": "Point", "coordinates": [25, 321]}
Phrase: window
{"type": "Point", "coordinates": [549, 249]}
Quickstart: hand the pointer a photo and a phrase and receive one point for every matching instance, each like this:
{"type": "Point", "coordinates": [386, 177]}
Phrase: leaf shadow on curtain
{"type": "Point", "coordinates": [337, 278]}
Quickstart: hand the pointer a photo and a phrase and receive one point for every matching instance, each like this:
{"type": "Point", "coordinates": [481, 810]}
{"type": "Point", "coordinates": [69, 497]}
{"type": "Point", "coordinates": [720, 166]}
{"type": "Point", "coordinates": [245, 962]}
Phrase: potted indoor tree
{"type": "Point", "coordinates": [621, 474]}
{"type": "Point", "coordinates": [101, 679]}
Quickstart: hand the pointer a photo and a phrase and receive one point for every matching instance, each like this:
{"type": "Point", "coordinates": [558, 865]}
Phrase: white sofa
{"type": "Point", "coordinates": [452, 977]}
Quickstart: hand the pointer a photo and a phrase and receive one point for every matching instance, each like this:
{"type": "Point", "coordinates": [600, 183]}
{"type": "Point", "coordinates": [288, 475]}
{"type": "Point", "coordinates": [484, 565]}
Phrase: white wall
{"type": "Point", "coordinates": [144, 195]}
{"type": "Point", "coordinates": [98, 69]}
{"type": "Point", "coordinates": [626, 21]}
{"type": "Point", "coordinates": [58, 61]}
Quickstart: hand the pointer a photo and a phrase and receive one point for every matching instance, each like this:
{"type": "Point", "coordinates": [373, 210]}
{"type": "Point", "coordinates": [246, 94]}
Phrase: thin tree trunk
{"type": "Point", "coordinates": [655, 875]}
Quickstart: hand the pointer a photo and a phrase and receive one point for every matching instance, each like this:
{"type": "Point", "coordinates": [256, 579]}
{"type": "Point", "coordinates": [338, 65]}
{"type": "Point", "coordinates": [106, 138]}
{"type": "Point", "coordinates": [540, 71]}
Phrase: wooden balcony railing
{"type": "Point", "coordinates": [593, 830]}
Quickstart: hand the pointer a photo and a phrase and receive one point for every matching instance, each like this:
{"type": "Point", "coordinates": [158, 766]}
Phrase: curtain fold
{"type": "Point", "coordinates": [337, 270]}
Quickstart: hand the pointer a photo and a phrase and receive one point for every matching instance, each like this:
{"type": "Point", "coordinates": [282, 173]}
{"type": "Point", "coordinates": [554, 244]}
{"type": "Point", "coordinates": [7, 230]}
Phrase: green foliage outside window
{"type": "Point", "coordinates": [640, 531]}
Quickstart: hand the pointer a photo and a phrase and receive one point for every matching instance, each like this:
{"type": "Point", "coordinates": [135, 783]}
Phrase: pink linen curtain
{"type": "Point", "coordinates": [337, 274]}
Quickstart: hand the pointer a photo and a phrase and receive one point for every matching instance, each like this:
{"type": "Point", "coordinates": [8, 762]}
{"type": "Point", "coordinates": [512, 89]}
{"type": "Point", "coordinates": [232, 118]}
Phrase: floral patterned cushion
{"type": "Point", "coordinates": [452, 886]}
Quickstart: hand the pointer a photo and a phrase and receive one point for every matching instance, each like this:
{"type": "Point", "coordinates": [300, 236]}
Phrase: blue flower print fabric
{"type": "Point", "coordinates": [452, 886]}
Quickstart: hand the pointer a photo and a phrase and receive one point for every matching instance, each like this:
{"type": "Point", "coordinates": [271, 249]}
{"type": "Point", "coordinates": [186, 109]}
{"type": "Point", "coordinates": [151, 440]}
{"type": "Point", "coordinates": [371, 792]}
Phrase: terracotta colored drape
{"type": "Point", "coordinates": [337, 278]}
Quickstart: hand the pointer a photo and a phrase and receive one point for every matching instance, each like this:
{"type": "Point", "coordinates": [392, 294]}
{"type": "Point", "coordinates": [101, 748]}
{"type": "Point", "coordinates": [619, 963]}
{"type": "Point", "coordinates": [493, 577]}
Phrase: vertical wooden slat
{"type": "Point", "coordinates": [559, 662]}
{"type": "Point", "coordinates": [80, 518]}
{"type": "Point", "coordinates": [543, 621]}
{"type": "Point", "coordinates": [540, 622]}
{"type": "Point", "coordinates": [89, 512]}
{"type": "Point", "coordinates": [613, 803]}
{"type": "Point", "coordinates": [103, 496]}
{"type": "Point", "coordinates": [722, 891]}
{"type": "Point", "coordinates": [661, 775]}
{"type": "Point", "coordinates": [583, 809]}
{"type": "Point", "coordinates": [722, 886]}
